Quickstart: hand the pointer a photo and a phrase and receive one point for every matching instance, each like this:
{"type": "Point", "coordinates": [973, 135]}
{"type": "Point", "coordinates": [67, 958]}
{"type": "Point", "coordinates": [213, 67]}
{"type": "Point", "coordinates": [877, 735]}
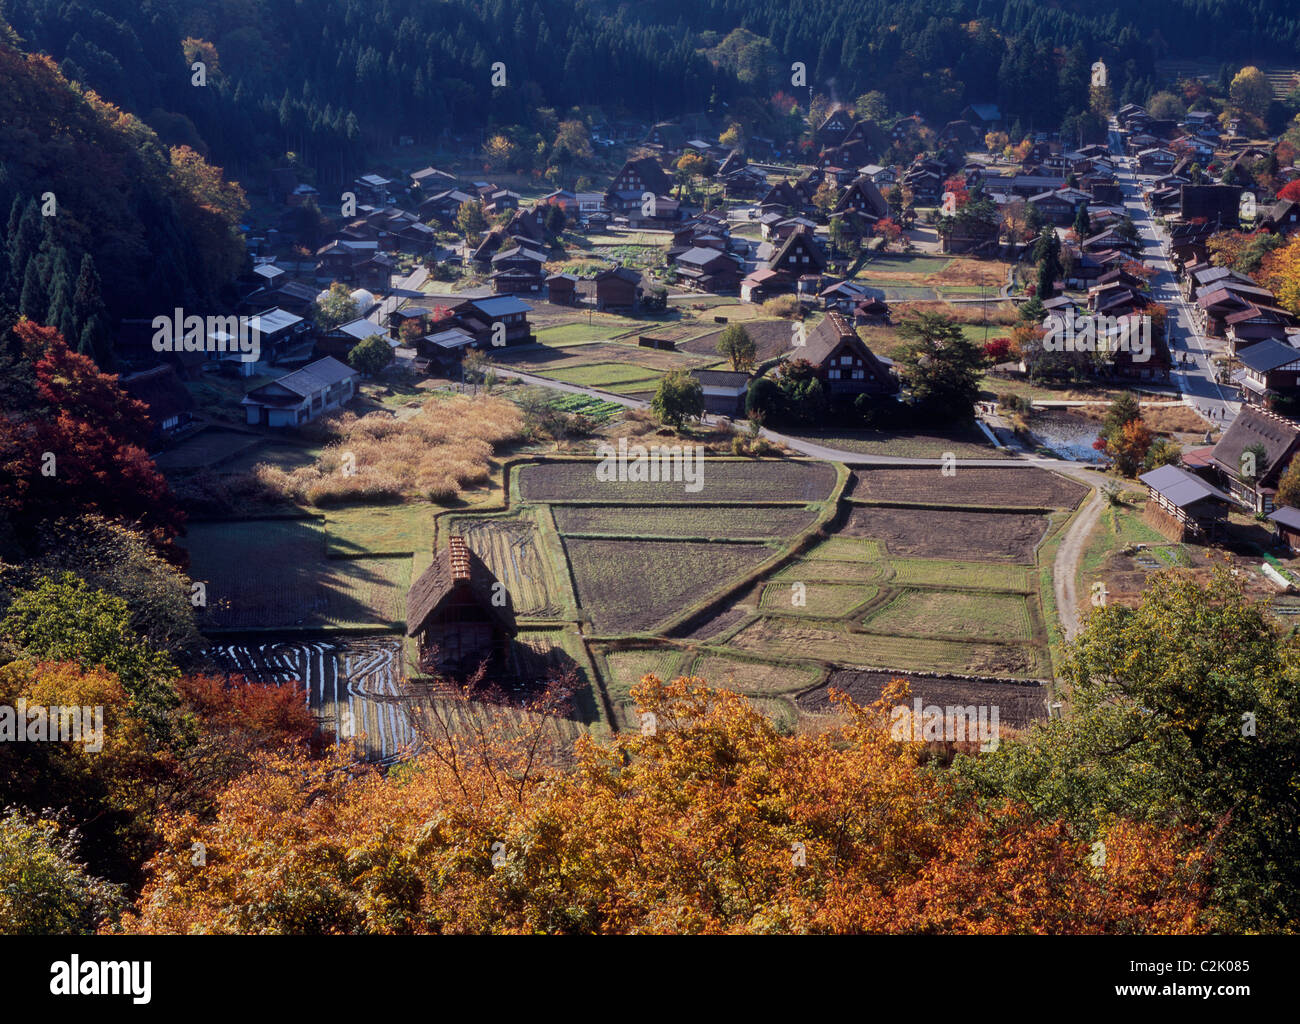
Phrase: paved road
{"type": "Point", "coordinates": [1196, 380]}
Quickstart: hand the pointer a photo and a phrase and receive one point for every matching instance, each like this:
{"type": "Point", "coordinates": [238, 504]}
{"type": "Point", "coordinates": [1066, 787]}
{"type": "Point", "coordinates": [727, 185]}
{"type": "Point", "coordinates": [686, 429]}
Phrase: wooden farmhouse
{"type": "Point", "coordinates": [458, 612]}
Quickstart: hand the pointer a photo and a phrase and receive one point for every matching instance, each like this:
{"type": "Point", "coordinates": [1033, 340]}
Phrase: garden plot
{"type": "Point", "coordinates": [629, 586]}
{"type": "Point", "coordinates": [725, 481]}
{"type": "Point", "coordinates": [955, 615]}
{"type": "Point", "coordinates": [976, 485]}
{"type": "Point", "coordinates": [729, 522]}
{"type": "Point", "coordinates": [511, 548]}
{"type": "Point", "coordinates": [790, 638]}
{"type": "Point", "coordinates": [942, 533]}
{"type": "Point", "coordinates": [379, 530]}
{"type": "Point", "coordinates": [1019, 704]}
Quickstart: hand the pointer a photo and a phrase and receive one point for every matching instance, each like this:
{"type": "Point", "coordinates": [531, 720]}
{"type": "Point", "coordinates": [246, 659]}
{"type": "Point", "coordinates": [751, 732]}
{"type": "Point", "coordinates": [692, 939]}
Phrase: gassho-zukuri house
{"type": "Point", "coordinates": [459, 613]}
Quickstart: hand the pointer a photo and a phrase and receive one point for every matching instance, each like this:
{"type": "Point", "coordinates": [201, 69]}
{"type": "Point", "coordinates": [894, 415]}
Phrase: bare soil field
{"type": "Point", "coordinates": [784, 637]}
{"type": "Point", "coordinates": [725, 521]}
{"type": "Point", "coordinates": [723, 482]}
{"type": "Point", "coordinates": [975, 485]}
{"type": "Point", "coordinates": [931, 533]}
{"type": "Point", "coordinates": [1019, 704]}
{"type": "Point", "coordinates": [629, 586]}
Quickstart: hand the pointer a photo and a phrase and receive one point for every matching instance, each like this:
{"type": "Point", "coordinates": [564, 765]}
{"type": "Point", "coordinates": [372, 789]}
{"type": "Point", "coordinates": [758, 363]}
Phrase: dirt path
{"type": "Point", "coordinates": [1065, 570]}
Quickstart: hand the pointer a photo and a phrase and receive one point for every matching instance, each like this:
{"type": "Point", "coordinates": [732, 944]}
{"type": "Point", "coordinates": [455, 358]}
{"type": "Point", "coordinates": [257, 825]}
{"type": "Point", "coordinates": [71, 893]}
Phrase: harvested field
{"type": "Point", "coordinates": [806, 569]}
{"type": "Point", "coordinates": [263, 574]}
{"type": "Point", "coordinates": [728, 522]}
{"type": "Point", "coordinates": [511, 549]}
{"type": "Point", "coordinates": [934, 572]}
{"type": "Point", "coordinates": [784, 637]}
{"type": "Point", "coordinates": [752, 677]}
{"type": "Point", "coordinates": [627, 668]}
{"type": "Point", "coordinates": [1019, 704]}
{"type": "Point", "coordinates": [629, 586]}
{"type": "Point", "coordinates": [975, 485]}
{"type": "Point", "coordinates": [820, 600]}
{"type": "Point", "coordinates": [724, 482]}
{"type": "Point", "coordinates": [931, 533]}
{"type": "Point", "coordinates": [963, 444]}
{"type": "Point", "coordinates": [846, 549]}
{"type": "Point", "coordinates": [954, 615]}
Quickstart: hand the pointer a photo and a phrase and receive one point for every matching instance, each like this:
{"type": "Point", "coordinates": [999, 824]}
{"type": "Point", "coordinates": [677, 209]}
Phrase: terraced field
{"type": "Point", "coordinates": [630, 586]}
{"type": "Point", "coordinates": [725, 482]}
{"type": "Point", "coordinates": [788, 638]}
{"type": "Point", "coordinates": [984, 486]}
{"type": "Point", "coordinates": [931, 572]}
{"type": "Point", "coordinates": [729, 522]}
{"type": "Point", "coordinates": [820, 600]}
{"type": "Point", "coordinates": [753, 677]}
{"type": "Point", "coordinates": [1019, 704]}
{"type": "Point", "coordinates": [954, 616]}
{"type": "Point", "coordinates": [950, 533]}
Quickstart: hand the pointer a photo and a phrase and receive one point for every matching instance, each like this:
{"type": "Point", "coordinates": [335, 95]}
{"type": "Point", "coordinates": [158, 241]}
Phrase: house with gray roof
{"type": "Point", "coordinates": [301, 396]}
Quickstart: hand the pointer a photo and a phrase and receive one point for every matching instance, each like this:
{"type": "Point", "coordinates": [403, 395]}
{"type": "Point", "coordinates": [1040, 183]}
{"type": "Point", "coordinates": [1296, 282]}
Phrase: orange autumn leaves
{"type": "Point", "coordinates": [713, 823]}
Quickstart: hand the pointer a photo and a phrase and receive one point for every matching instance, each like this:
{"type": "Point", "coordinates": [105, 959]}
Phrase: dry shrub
{"type": "Point", "coordinates": [447, 446]}
{"type": "Point", "coordinates": [783, 306]}
{"type": "Point", "coordinates": [1160, 419]}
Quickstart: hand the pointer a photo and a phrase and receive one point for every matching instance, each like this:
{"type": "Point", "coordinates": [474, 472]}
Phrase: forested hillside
{"type": "Point", "coordinates": [330, 79]}
{"type": "Point", "coordinates": [103, 218]}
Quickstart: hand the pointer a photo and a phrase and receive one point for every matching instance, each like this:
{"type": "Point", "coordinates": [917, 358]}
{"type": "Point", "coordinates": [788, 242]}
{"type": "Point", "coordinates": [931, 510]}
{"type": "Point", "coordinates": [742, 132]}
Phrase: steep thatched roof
{"type": "Point", "coordinates": [1278, 437]}
{"type": "Point", "coordinates": [455, 564]}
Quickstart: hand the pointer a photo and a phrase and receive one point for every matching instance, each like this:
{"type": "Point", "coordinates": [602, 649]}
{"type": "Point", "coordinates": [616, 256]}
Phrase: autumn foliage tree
{"type": "Point", "coordinates": [705, 820]}
{"type": "Point", "coordinates": [81, 448]}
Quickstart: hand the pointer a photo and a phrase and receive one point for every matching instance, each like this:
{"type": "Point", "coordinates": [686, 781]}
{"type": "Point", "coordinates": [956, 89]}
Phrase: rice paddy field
{"type": "Point", "coordinates": [773, 579]}
{"type": "Point", "coordinates": [724, 482]}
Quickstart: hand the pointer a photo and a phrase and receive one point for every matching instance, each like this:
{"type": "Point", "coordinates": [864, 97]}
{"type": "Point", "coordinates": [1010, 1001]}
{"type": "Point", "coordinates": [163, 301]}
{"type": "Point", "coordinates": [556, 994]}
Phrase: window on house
{"type": "Point", "coordinates": [834, 375]}
{"type": "Point", "coordinates": [846, 360]}
{"type": "Point", "coordinates": [859, 374]}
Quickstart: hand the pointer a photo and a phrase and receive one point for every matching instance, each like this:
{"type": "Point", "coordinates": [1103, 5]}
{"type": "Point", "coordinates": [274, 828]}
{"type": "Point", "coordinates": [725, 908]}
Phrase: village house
{"type": "Point", "coordinates": [1061, 206]}
{"type": "Point", "coordinates": [843, 362]}
{"type": "Point", "coordinates": [459, 613]}
{"type": "Point", "coordinates": [798, 255]}
{"type": "Point", "coordinates": [633, 180]}
{"type": "Point", "coordinates": [1270, 369]}
{"type": "Point", "coordinates": [708, 269]}
{"type": "Point", "coordinates": [1251, 455]}
{"type": "Point", "coordinates": [301, 396]}
{"type": "Point", "coordinates": [1182, 506]}
{"type": "Point", "coordinates": [371, 189]}
{"type": "Point", "coordinates": [518, 269]}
